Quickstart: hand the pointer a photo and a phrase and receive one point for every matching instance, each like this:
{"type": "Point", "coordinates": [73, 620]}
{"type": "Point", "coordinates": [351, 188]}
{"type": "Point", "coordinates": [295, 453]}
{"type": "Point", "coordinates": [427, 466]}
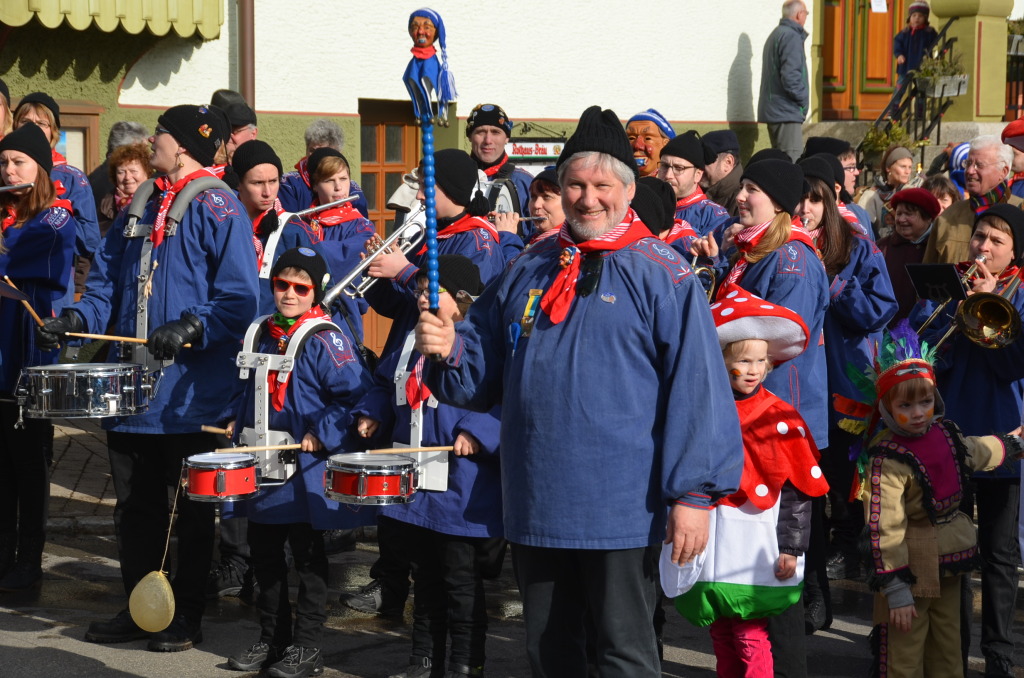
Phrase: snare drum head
{"type": "Point", "coordinates": [85, 368]}
{"type": "Point", "coordinates": [221, 460]}
{"type": "Point", "coordinates": [370, 463]}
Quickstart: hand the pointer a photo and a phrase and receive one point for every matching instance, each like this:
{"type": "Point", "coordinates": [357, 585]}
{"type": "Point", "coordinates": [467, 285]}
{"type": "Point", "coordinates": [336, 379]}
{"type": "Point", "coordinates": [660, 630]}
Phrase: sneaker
{"type": "Point", "coordinates": [252, 659]}
{"type": "Point", "coordinates": [121, 629]}
{"type": "Point", "coordinates": [463, 671]}
{"type": "Point", "coordinates": [419, 667]}
{"type": "Point", "coordinates": [226, 580]}
{"type": "Point", "coordinates": [370, 599]}
{"type": "Point", "coordinates": [815, 616]}
{"type": "Point", "coordinates": [339, 541]}
{"type": "Point", "coordinates": [843, 565]}
{"type": "Point", "coordinates": [180, 635]}
{"type": "Point", "coordinates": [298, 662]}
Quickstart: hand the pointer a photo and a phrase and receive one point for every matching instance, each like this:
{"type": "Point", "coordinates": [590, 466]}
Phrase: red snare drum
{"type": "Point", "coordinates": [216, 476]}
{"type": "Point", "coordinates": [375, 479]}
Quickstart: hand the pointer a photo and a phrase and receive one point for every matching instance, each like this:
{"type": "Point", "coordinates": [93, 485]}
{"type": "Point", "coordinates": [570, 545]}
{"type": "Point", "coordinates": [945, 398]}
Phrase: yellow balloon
{"type": "Point", "coordinates": [152, 603]}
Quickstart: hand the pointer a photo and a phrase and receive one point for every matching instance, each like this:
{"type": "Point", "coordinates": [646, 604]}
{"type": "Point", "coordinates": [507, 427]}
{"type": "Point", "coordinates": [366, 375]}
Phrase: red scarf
{"type": "Point", "coordinates": [336, 215]}
{"type": "Point", "coordinates": [423, 52]}
{"type": "Point", "coordinates": [11, 217]}
{"type": "Point", "coordinates": [170, 192]}
{"type": "Point", "coordinates": [1001, 280]}
{"type": "Point", "coordinates": [283, 333]}
{"type": "Point", "coordinates": [680, 229]}
{"type": "Point", "coordinates": [58, 159]}
{"type": "Point", "coordinates": [559, 296]}
{"type": "Point", "coordinates": [256, 242]}
{"type": "Point", "coordinates": [462, 225]}
{"type": "Point", "coordinates": [693, 198]}
{"type": "Point", "coordinates": [748, 238]}
{"type": "Point", "coordinates": [121, 199]}
{"type": "Point", "coordinates": [493, 169]}
{"type": "Point", "coordinates": [303, 170]}
{"type": "Point", "coordinates": [218, 170]}
{"type": "Point", "coordinates": [416, 392]}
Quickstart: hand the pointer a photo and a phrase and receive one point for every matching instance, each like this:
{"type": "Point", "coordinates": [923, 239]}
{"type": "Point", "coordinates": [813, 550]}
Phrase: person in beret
{"type": "Point", "coordinates": [915, 209]}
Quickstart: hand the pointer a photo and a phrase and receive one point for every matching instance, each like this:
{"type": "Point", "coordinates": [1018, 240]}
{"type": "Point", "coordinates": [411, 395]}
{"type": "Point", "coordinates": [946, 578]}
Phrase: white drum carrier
{"type": "Point", "coordinates": [432, 467]}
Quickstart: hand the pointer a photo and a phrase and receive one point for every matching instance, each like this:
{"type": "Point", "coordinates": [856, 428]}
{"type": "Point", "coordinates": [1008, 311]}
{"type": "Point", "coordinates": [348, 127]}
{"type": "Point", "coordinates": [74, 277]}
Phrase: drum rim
{"type": "Point", "coordinates": [226, 466]}
{"type": "Point", "coordinates": [84, 368]}
{"type": "Point", "coordinates": [380, 462]}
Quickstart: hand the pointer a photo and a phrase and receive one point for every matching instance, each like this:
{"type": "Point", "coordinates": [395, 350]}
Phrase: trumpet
{"type": "Point", "coordinates": [349, 285]}
{"type": "Point", "coordinates": [706, 276]}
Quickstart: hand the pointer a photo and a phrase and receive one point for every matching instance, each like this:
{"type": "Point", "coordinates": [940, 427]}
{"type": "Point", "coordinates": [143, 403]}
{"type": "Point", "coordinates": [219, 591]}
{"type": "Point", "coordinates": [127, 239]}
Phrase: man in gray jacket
{"type": "Point", "coordinates": [784, 89]}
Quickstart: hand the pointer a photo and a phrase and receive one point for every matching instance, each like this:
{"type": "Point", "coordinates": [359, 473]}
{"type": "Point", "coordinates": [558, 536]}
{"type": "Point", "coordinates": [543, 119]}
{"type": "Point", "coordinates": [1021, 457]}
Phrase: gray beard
{"type": "Point", "coordinates": [581, 233]}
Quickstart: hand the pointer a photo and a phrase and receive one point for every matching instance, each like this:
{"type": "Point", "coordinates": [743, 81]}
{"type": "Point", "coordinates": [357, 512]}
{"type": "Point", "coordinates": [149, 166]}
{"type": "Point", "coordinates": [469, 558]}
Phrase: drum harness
{"type": "Point", "coordinates": [274, 464]}
{"type": "Point", "coordinates": [432, 471]}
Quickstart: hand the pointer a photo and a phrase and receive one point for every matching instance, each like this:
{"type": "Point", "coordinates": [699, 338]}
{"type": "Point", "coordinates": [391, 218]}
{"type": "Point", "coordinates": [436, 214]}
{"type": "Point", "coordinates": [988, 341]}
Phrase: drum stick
{"type": "Point", "coordinates": [400, 450]}
{"type": "Point", "coordinates": [213, 429]}
{"type": "Point", "coordinates": [110, 337]}
{"type": "Point", "coordinates": [259, 448]}
{"type": "Point", "coordinates": [28, 306]}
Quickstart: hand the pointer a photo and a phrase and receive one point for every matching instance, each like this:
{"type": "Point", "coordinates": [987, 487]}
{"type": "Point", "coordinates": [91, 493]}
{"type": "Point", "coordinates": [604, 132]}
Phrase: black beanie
{"type": "Point", "coordinates": [818, 168]}
{"type": "Point", "coordinates": [488, 114]}
{"type": "Point", "coordinates": [549, 175]}
{"type": "Point", "coordinates": [317, 156]}
{"type": "Point", "coordinates": [655, 204]}
{"type": "Point", "coordinates": [688, 146]}
{"type": "Point", "coordinates": [780, 179]}
{"type": "Point", "coordinates": [456, 272]}
{"type": "Point", "coordinates": [600, 131]}
{"type": "Point", "coordinates": [196, 128]}
{"type": "Point", "coordinates": [221, 126]}
{"type": "Point", "coordinates": [6, 92]}
{"type": "Point", "coordinates": [1011, 215]}
{"type": "Point", "coordinates": [252, 153]}
{"type": "Point", "coordinates": [839, 174]}
{"type": "Point", "coordinates": [830, 145]}
{"type": "Point", "coordinates": [455, 173]}
{"type": "Point", "coordinates": [44, 99]}
{"type": "Point", "coordinates": [31, 141]}
{"type": "Point", "coordinates": [308, 260]}
{"type": "Point", "coordinates": [769, 154]}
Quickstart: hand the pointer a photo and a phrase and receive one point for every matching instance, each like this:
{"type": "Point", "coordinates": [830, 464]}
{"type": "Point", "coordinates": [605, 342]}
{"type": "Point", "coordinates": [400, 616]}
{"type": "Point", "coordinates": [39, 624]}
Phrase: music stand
{"type": "Point", "coordinates": [937, 282]}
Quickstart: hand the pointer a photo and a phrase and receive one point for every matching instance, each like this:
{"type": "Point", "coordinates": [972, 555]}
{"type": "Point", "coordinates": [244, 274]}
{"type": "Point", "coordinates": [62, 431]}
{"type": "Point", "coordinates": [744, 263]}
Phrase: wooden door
{"type": "Point", "coordinates": [858, 68]}
{"type": "Point", "coordinates": [389, 148]}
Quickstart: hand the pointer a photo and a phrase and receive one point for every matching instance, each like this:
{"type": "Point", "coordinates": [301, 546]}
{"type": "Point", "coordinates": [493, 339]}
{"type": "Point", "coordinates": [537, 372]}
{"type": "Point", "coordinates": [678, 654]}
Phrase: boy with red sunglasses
{"type": "Point", "coordinates": [309, 404]}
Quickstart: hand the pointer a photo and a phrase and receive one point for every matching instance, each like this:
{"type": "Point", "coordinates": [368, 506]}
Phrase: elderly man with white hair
{"type": "Point", "coordinates": [615, 328]}
{"type": "Point", "coordinates": [986, 180]}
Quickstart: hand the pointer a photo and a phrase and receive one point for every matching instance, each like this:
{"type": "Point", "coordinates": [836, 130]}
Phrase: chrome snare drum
{"type": "Point", "coordinates": [375, 479]}
{"type": "Point", "coordinates": [221, 476]}
{"type": "Point", "coordinates": [82, 390]}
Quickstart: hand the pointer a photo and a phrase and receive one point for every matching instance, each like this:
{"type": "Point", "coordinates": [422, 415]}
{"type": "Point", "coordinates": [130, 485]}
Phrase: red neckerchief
{"type": "Point", "coordinates": [748, 238]}
{"type": "Point", "coordinates": [58, 159]}
{"type": "Point", "coordinates": [61, 201]}
{"type": "Point", "coordinates": [416, 392]}
{"type": "Point", "coordinates": [170, 192]}
{"type": "Point", "coordinates": [493, 169]}
{"type": "Point", "coordinates": [256, 242]}
{"type": "Point", "coordinates": [9, 220]}
{"type": "Point", "coordinates": [1001, 281]}
{"type": "Point", "coordinates": [694, 197]}
{"type": "Point", "coordinates": [559, 296]}
{"type": "Point", "coordinates": [847, 214]}
{"type": "Point", "coordinates": [336, 215]}
{"type": "Point", "coordinates": [423, 52]}
{"type": "Point", "coordinates": [11, 217]}
{"type": "Point", "coordinates": [277, 389]}
{"type": "Point", "coordinates": [218, 170]}
{"type": "Point", "coordinates": [303, 169]}
{"type": "Point", "coordinates": [680, 229]}
{"type": "Point", "coordinates": [462, 225]}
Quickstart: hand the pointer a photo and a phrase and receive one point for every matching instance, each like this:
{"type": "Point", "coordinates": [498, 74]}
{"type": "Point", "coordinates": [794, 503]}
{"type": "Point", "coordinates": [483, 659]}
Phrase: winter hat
{"type": "Point", "coordinates": [45, 100]}
{"type": "Point", "coordinates": [769, 154]}
{"type": "Point", "coordinates": [240, 114]}
{"type": "Point", "coordinates": [1013, 134]}
{"type": "Point", "coordinates": [818, 168]}
{"type": "Point", "coordinates": [308, 260]}
{"type": "Point", "coordinates": [31, 141]}
{"type": "Point", "coordinates": [780, 179]}
{"type": "Point", "coordinates": [830, 145]}
{"type": "Point", "coordinates": [549, 175]}
{"type": "Point", "coordinates": [958, 156]}
{"type": "Point", "coordinates": [921, 198]}
{"type": "Point", "coordinates": [488, 114]}
{"type": "Point", "coordinates": [918, 6]}
{"type": "Point", "coordinates": [455, 173]}
{"type": "Point", "coordinates": [688, 146]}
{"type": "Point", "coordinates": [195, 128]}
{"type": "Point", "coordinates": [6, 92]}
{"type": "Point", "coordinates": [722, 141]}
{"type": "Point", "coordinates": [741, 315]}
{"type": "Point", "coordinates": [252, 153]}
{"type": "Point", "coordinates": [602, 132]}
{"type": "Point", "coordinates": [895, 155]}
{"type": "Point", "coordinates": [1011, 215]}
{"type": "Point", "coordinates": [456, 273]}
{"type": "Point", "coordinates": [223, 98]}
{"type": "Point", "coordinates": [838, 173]}
{"type": "Point", "coordinates": [651, 115]}
{"type": "Point", "coordinates": [317, 156]}
{"type": "Point", "coordinates": [655, 204]}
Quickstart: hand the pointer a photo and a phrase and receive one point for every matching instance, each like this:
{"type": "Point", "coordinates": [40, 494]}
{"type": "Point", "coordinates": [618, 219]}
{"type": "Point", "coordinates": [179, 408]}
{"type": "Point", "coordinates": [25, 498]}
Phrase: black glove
{"type": "Point", "coordinates": [48, 336]}
{"type": "Point", "coordinates": [167, 340]}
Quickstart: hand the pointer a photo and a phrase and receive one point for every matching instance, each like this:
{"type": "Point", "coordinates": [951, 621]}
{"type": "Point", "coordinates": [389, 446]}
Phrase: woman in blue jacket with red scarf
{"type": "Point", "coordinates": [35, 253]}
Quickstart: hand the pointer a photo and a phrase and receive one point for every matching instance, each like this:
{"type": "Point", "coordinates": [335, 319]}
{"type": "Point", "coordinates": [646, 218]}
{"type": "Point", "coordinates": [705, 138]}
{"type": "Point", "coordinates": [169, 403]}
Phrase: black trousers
{"type": "Point", "coordinates": [997, 500]}
{"type": "Point", "coordinates": [617, 588]}
{"type": "Point", "coordinates": [846, 521]}
{"type": "Point", "coordinates": [143, 467]}
{"type": "Point", "coordinates": [266, 542]}
{"type": "Point", "coordinates": [394, 562]}
{"type": "Point", "coordinates": [25, 456]}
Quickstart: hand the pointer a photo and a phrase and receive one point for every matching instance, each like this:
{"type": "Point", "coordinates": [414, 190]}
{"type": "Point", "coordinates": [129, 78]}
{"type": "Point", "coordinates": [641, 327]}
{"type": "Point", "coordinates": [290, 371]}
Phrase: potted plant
{"type": "Point", "coordinates": [941, 77]}
{"type": "Point", "coordinates": [878, 139]}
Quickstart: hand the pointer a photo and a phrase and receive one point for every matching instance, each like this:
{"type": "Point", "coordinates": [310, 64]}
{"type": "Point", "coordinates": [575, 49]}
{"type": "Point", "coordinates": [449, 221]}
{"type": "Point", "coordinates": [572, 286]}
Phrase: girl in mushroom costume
{"type": "Point", "coordinates": [753, 565]}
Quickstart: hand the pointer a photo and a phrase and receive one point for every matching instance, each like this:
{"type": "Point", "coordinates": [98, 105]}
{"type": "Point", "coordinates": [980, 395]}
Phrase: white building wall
{"type": "Point", "coordinates": [693, 61]}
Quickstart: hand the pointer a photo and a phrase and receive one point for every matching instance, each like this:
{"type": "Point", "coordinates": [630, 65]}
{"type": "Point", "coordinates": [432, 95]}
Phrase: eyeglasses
{"type": "Point", "coordinates": [851, 168]}
{"type": "Point", "coordinates": [974, 164]}
{"type": "Point", "coordinates": [301, 289]}
{"type": "Point", "coordinates": [675, 169]}
{"type": "Point", "coordinates": [420, 293]}
{"type": "Point", "coordinates": [43, 124]}
{"type": "Point", "coordinates": [160, 130]}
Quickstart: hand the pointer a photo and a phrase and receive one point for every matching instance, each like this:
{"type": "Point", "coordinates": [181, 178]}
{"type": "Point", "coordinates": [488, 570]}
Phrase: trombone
{"type": "Point", "coordinates": [349, 285]}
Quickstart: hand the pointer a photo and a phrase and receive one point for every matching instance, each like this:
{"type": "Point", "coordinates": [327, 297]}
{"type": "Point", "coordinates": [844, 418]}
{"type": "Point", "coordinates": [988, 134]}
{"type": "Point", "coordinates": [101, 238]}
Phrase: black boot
{"type": "Point", "coordinates": [28, 566]}
{"type": "Point", "coordinates": [8, 547]}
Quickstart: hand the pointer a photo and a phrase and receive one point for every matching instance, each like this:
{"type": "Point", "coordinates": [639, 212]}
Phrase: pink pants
{"type": "Point", "coordinates": [742, 648]}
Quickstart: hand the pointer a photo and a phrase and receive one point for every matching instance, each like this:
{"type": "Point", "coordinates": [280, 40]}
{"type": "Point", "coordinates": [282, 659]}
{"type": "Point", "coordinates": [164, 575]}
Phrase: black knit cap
{"type": "Point", "coordinates": [252, 153]}
{"type": "Point", "coordinates": [830, 145]}
{"type": "Point", "coordinates": [488, 114]}
{"type": "Point", "coordinates": [455, 173]}
{"type": "Point", "coordinates": [722, 141]}
{"type": "Point", "coordinates": [839, 174]}
{"type": "Point", "coordinates": [196, 128]}
{"type": "Point", "coordinates": [317, 156]}
{"type": "Point", "coordinates": [1012, 216]}
{"type": "Point", "coordinates": [600, 131]}
{"type": "Point", "coordinates": [817, 167]}
{"type": "Point", "coordinates": [780, 179]}
{"type": "Point", "coordinates": [308, 260]}
{"type": "Point", "coordinates": [6, 92]}
{"type": "Point", "coordinates": [689, 146]}
{"type": "Point", "coordinates": [549, 175]}
{"type": "Point", "coordinates": [221, 126]}
{"type": "Point", "coordinates": [44, 99]}
{"type": "Point", "coordinates": [655, 204]}
{"type": "Point", "coordinates": [456, 272]}
{"type": "Point", "coordinates": [769, 154]}
{"type": "Point", "coordinates": [31, 141]}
